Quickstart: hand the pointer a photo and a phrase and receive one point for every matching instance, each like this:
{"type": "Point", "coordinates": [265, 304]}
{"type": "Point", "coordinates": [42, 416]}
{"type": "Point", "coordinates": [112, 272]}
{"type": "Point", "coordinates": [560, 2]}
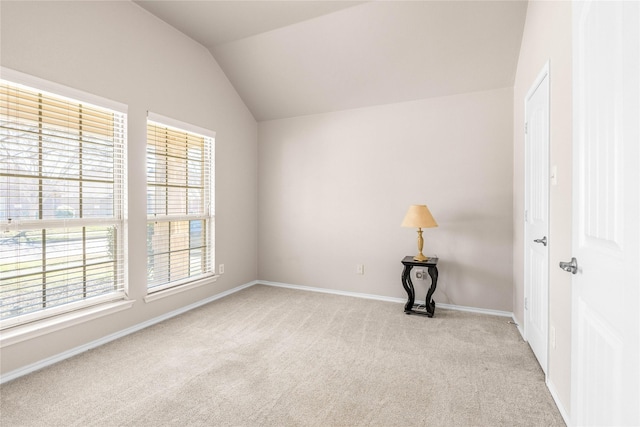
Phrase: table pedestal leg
{"type": "Point", "coordinates": [408, 286]}
{"type": "Point", "coordinates": [429, 303]}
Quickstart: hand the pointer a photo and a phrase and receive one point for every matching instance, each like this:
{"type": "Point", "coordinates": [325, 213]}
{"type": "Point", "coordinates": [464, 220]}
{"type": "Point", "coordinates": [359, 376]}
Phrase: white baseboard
{"type": "Point", "coordinates": [475, 310]}
{"type": "Point", "coordinates": [385, 298]}
{"type": "Point", "coordinates": [104, 340]}
{"type": "Point", "coordinates": [515, 322]}
{"type": "Point", "coordinates": [561, 408]}
{"type": "Point", "coordinates": [330, 291]}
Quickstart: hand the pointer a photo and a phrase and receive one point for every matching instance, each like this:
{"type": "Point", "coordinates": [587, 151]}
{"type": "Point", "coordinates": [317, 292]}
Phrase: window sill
{"type": "Point", "coordinates": [180, 288]}
{"type": "Point", "coordinates": [41, 327]}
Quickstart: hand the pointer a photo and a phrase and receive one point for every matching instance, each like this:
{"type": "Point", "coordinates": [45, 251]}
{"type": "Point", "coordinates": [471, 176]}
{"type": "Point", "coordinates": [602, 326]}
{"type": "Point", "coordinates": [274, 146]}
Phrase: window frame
{"type": "Point", "coordinates": [172, 287]}
{"type": "Point", "coordinates": [118, 219]}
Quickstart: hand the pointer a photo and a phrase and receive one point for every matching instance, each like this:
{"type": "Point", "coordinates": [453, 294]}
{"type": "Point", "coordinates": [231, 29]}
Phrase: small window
{"type": "Point", "coordinates": [180, 198]}
{"type": "Point", "coordinates": [61, 203]}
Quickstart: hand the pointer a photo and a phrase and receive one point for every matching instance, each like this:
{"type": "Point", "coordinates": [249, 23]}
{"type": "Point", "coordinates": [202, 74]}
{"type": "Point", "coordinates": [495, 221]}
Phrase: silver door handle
{"type": "Point", "coordinates": [570, 267]}
{"type": "Point", "coordinates": [543, 240]}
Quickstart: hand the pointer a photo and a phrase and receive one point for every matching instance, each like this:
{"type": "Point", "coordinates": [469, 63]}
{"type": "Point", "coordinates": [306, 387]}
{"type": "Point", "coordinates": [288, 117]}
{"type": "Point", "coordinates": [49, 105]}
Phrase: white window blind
{"type": "Point", "coordinates": [61, 204]}
{"type": "Point", "coordinates": [180, 224]}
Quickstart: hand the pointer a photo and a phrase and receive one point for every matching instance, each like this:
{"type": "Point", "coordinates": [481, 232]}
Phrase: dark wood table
{"type": "Point", "coordinates": [430, 305]}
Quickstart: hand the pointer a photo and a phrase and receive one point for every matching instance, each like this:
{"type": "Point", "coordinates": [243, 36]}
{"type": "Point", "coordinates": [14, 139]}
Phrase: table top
{"type": "Point", "coordinates": [431, 262]}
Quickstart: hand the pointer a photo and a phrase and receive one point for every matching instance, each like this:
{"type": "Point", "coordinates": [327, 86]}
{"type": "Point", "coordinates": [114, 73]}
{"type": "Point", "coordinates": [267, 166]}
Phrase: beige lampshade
{"type": "Point", "coordinates": [419, 216]}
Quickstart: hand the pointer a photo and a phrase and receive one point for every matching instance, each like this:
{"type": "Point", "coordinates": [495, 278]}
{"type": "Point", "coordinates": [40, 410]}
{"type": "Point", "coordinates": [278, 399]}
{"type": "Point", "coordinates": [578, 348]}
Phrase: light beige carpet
{"type": "Point", "coordinates": [279, 357]}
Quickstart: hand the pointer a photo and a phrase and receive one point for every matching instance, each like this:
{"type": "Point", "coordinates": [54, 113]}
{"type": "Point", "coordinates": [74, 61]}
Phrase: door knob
{"type": "Point", "coordinates": [570, 267]}
{"type": "Point", "coordinates": [543, 240]}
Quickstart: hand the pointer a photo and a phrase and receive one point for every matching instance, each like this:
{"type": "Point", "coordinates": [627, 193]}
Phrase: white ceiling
{"type": "Point", "coordinates": [292, 58]}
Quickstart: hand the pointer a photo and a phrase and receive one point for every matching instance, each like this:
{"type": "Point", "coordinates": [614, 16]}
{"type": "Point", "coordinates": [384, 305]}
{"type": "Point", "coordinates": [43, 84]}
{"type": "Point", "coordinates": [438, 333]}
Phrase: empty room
{"type": "Point", "coordinates": [327, 213]}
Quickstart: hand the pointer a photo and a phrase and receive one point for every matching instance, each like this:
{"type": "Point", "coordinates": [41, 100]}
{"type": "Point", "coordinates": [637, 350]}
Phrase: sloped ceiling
{"type": "Point", "coordinates": [293, 58]}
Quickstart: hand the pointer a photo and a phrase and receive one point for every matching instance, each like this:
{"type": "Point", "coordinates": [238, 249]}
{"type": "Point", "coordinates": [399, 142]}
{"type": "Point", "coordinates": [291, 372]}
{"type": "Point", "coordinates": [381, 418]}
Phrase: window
{"type": "Point", "coordinates": [61, 203]}
{"type": "Point", "coordinates": [179, 204]}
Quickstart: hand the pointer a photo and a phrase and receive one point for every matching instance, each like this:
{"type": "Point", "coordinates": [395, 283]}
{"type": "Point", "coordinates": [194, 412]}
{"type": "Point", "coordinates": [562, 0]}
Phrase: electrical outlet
{"type": "Point", "coordinates": [221, 269]}
{"type": "Point", "coordinates": [421, 274]}
{"type": "Point", "coordinates": [360, 269]}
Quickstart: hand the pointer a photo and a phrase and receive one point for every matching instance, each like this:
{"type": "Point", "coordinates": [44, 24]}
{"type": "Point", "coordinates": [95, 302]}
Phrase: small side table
{"type": "Point", "coordinates": [430, 305]}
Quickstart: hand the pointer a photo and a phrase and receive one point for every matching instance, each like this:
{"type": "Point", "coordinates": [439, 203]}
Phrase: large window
{"type": "Point", "coordinates": [179, 205]}
{"type": "Point", "coordinates": [61, 204]}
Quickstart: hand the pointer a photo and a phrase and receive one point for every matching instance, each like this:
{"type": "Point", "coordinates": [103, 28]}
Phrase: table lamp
{"type": "Point", "coordinates": [419, 216]}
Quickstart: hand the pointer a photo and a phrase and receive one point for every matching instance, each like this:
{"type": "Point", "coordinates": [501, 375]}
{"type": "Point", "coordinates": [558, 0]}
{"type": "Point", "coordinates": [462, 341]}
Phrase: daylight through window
{"type": "Point", "coordinates": [179, 206]}
{"type": "Point", "coordinates": [61, 204]}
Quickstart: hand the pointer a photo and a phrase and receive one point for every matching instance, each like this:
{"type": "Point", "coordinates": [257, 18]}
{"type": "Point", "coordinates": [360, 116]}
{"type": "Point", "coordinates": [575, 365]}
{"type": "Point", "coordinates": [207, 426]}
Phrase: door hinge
{"type": "Point", "coordinates": [526, 215]}
{"type": "Point", "coordinates": [526, 303]}
{"type": "Point", "coordinates": [526, 128]}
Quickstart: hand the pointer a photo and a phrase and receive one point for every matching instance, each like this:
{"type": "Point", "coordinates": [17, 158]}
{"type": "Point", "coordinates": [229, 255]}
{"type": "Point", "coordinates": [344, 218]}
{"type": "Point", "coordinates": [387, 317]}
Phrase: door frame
{"type": "Point", "coordinates": [544, 73]}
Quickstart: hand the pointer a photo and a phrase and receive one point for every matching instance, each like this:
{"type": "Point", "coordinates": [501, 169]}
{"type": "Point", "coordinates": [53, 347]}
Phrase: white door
{"type": "Point", "coordinates": [536, 268]}
{"type": "Point", "coordinates": [605, 360]}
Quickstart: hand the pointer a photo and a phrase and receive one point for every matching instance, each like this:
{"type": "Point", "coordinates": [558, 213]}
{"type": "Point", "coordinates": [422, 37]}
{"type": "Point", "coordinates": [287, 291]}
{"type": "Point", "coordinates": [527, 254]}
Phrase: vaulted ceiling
{"type": "Point", "coordinates": [293, 58]}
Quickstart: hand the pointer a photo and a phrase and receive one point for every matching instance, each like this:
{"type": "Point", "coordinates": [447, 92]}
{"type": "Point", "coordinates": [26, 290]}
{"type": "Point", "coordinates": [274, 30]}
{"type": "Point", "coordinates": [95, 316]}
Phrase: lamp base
{"type": "Point", "coordinates": [420, 257]}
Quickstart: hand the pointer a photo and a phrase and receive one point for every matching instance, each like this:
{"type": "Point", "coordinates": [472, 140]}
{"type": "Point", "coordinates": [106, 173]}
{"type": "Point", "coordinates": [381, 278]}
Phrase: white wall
{"type": "Point", "coordinates": [547, 37]}
{"type": "Point", "coordinates": [119, 51]}
{"type": "Point", "coordinates": [334, 188]}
